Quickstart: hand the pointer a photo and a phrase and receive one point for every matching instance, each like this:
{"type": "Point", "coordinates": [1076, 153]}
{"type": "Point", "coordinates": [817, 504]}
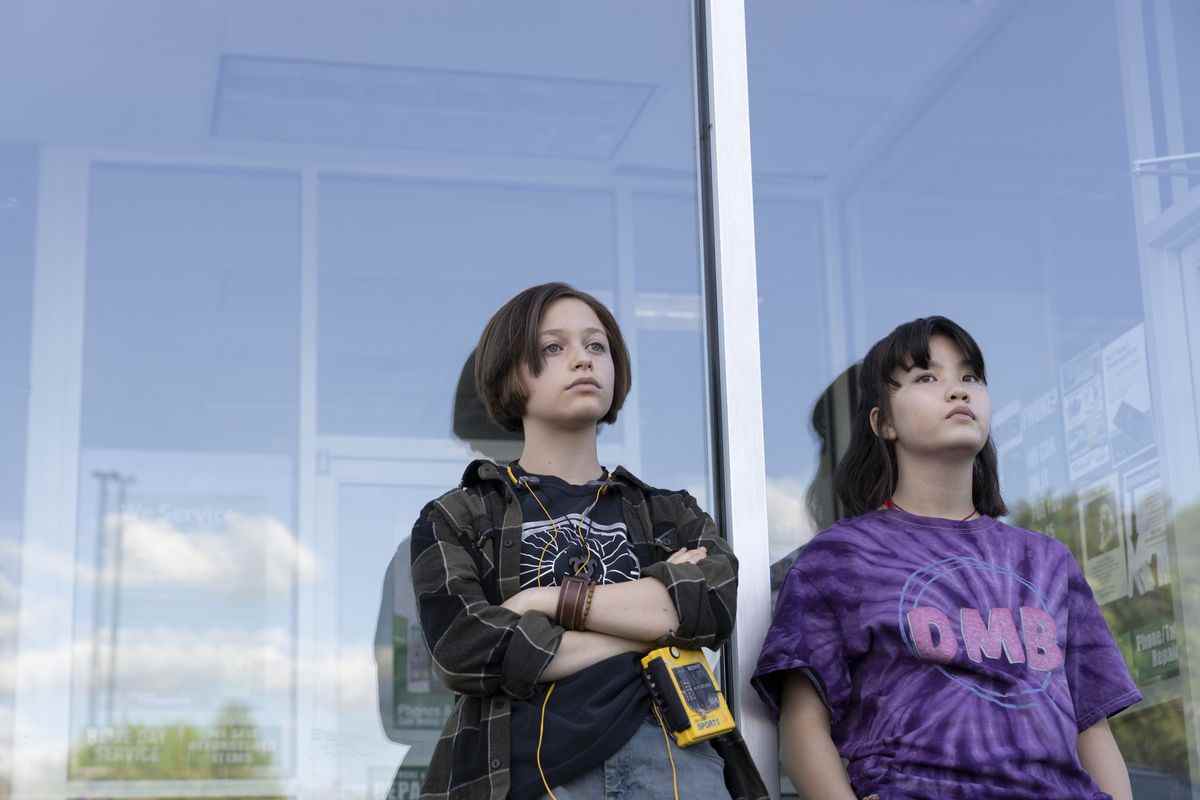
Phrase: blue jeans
{"type": "Point", "coordinates": [640, 771]}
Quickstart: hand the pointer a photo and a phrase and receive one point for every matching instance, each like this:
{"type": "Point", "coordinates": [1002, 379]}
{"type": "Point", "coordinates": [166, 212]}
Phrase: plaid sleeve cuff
{"type": "Point", "coordinates": [531, 648]}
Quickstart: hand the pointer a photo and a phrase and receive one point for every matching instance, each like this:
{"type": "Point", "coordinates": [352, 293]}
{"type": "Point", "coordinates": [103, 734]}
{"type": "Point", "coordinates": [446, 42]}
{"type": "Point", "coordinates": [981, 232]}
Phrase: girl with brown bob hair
{"type": "Point", "coordinates": [541, 583]}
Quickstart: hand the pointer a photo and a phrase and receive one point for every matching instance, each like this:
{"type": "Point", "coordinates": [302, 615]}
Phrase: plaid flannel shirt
{"type": "Point", "coordinates": [465, 552]}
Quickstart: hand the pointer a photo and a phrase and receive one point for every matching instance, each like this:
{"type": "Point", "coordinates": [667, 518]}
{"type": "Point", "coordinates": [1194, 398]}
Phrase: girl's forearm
{"type": "Point", "coordinates": [811, 760]}
{"type": "Point", "coordinates": [806, 748]}
{"type": "Point", "coordinates": [1102, 759]}
{"type": "Point", "coordinates": [640, 610]}
{"type": "Point", "coordinates": [579, 650]}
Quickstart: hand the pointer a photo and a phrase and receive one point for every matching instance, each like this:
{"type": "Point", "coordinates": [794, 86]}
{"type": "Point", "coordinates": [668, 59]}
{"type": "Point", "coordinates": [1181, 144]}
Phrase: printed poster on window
{"type": "Point", "coordinates": [1042, 445]}
{"type": "Point", "coordinates": [1084, 420]}
{"type": "Point", "coordinates": [1007, 427]}
{"type": "Point", "coordinates": [1100, 524]}
{"type": "Point", "coordinates": [1127, 394]}
{"type": "Point", "coordinates": [1034, 472]}
{"type": "Point", "coordinates": [1146, 530]}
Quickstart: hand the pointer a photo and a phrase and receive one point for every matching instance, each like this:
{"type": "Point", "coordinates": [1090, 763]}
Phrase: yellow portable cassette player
{"type": "Point", "coordinates": [683, 687]}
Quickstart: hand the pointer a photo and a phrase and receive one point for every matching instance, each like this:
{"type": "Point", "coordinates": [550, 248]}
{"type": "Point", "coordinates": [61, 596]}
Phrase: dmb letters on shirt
{"type": "Point", "coordinates": [957, 659]}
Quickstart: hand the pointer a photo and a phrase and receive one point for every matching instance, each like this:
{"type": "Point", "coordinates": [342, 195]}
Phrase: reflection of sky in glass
{"type": "Point", "coordinates": [297, 222]}
{"type": "Point", "coordinates": [410, 272]}
{"type": "Point", "coordinates": [1003, 201]}
{"type": "Point", "coordinates": [189, 386]}
{"type": "Point", "coordinates": [1185, 20]}
{"type": "Point", "coordinates": [668, 368]}
{"type": "Point", "coordinates": [795, 356]}
{"type": "Point", "coordinates": [192, 310]}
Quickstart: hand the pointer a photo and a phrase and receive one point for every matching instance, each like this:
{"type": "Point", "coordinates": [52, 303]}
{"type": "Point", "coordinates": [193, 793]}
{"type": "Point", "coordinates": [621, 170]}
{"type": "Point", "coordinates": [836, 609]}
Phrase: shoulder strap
{"type": "Point", "coordinates": [464, 508]}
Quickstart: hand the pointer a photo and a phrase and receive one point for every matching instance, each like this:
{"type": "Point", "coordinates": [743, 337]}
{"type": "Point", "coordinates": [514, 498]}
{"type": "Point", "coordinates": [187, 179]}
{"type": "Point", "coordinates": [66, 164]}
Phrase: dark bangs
{"type": "Point", "coordinates": [866, 476]}
{"type": "Point", "coordinates": [908, 347]}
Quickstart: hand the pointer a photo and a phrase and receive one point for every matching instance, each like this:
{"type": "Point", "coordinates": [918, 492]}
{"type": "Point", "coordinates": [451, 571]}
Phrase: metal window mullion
{"type": "Point", "coordinates": [731, 288]}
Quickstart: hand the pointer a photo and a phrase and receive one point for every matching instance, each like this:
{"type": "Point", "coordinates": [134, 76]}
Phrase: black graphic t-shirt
{"type": "Point", "coordinates": [571, 529]}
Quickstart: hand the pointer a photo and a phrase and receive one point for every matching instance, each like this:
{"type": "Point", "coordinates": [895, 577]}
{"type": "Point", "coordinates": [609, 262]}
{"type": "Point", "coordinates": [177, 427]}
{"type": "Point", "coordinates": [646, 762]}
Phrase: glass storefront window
{"type": "Point", "coordinates": [245, 254]}
{"type": "Point", "coordinates": [978, 160]}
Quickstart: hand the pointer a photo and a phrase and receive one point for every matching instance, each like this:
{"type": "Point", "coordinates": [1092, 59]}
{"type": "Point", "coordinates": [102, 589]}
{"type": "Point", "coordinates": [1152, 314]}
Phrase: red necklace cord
{"type": "Point", "coordinates": [889, 504]}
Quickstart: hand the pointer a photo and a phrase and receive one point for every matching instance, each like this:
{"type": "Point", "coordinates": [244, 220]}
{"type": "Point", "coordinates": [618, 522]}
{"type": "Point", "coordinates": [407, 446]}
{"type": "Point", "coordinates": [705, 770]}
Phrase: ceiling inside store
{"type": "Point", "coordinates": [143, 73]}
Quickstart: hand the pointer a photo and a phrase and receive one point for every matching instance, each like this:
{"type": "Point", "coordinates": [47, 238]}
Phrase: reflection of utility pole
{"type": "Point", "coordinates": [104, 477]}
{"type": "Point", "coordinates": [114, 632]}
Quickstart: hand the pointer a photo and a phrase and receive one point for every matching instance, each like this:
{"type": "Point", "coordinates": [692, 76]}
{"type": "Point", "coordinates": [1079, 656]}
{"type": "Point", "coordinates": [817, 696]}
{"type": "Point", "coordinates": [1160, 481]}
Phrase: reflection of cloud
{"type": "Point", "coordinates": [251, 550]}
{"type": "Point", "coordinates": [53, 563]}
{"type": "Point", "coordinates": [10, 596]}
{"type": "Point", "coordinates": [45, 761]}
{"type": "Point", "coordinates": [788, 520]}
{"type": "Point", "coordinates": [170, 665]}
{"type": "Point", "coordinates": [251, 553]}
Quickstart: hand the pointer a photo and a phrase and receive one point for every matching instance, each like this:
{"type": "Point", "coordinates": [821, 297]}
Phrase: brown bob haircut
{"type": "Point", "coordinates": [510, 339]}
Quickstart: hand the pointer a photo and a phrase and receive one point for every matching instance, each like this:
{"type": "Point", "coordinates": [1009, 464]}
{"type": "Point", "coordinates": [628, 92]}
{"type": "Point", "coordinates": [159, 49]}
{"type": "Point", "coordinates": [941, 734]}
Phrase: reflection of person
{"type": "Point", "coordinates": [1101, 522]}
{"type": "Point", "coordinates": [829, 417]}
{"type": "Point", "coordinates": [541, 583]}
{"type": "Point", "coordinates": [400, 685]}
{"type": "Point", "coordinates": [923, 640]}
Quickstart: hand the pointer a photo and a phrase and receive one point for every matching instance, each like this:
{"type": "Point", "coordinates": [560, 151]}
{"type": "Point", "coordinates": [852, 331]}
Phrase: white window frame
{"type": "Point", "coordinates": [740, 455]}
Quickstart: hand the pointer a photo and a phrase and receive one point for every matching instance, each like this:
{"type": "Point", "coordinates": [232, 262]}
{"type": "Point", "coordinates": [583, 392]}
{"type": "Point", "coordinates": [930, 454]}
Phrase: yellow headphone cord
{"type": "Point", "coordinates": [550, 688]}
{"type": "Point", "coordinates": [542, 730]}
{"type": "Point", "coordinates": [580, 533]}
{"type": "Point", "coordinates": [538, 752]}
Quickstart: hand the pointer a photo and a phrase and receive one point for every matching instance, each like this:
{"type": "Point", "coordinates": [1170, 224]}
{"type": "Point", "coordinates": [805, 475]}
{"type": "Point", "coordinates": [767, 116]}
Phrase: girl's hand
{"type": "Point", "coordinates": [685, 556]}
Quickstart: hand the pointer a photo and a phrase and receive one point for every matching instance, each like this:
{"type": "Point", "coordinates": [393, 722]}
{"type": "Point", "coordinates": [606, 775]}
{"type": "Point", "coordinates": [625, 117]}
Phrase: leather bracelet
{"type": "Point", "coordinates": [562, 596]}
{"type": "Point", "coordinates": [573, 610]}
{"type": "Point", "coordinates": [587, 607]}
{"type": "Point", "coordinates": [571, 592]}
{"type": "Point", "coordinates": [576, 609]}
{"type": "Point", "coordinates": [577, 617]}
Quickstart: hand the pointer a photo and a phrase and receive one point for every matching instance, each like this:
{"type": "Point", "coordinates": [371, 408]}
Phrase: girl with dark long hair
{"type": "Point", "coordinates": [922, 648]}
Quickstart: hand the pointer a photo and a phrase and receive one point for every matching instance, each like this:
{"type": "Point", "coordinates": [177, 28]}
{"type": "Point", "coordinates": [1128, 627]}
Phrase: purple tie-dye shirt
{"type": "Point", "coordinates": [957, 659]}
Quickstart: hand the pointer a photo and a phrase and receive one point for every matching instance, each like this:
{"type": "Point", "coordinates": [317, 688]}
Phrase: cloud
{"type": "Point", "coordinates": [788, 520]}
{"type": "Point", "coordinates": [252, 549]}
{"type": "Point", "coordinates": [181, 665]}
{"type": "Point", "coordinates": [250, 553]}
